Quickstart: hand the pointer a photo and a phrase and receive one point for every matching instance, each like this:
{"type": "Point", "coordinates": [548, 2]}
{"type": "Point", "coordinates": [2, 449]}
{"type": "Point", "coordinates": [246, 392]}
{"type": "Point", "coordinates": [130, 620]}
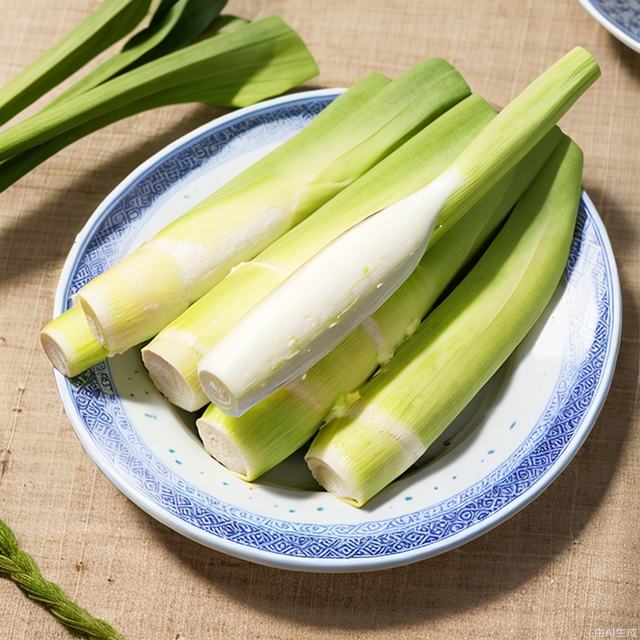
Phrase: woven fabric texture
{"type": "Point", "coordinates": [565, 567]}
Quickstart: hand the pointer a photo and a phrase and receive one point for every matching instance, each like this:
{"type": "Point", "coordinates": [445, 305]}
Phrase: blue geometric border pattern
{"type": "Point", "coordinates": [625, 14]}
{"type": "Point", "coordinates": [106, 422]}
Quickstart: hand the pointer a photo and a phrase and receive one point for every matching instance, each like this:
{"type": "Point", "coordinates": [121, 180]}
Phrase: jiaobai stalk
{"type": "Point", "coordinates": [460, 345]}
{"type": "Point", "coordinates": [316, 307]}
{"type": "Point", "coordinates": [121, 306]}
{"type": "Point", "coordinates": [138, 297]}
{"type": "Point", "coordinates": [69, 343]}
{"type": "Point", "coordinates": [172, 356]}
{"type": "Point", "coordinates": [267, 433]}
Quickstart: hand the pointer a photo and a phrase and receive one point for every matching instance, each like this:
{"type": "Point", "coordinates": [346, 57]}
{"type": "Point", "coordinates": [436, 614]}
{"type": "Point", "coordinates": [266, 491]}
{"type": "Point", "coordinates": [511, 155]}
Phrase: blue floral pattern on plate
{"type": "Point", "coordinates": [620, 17]}
{"type": "Point", "coordinates": [625, 14]}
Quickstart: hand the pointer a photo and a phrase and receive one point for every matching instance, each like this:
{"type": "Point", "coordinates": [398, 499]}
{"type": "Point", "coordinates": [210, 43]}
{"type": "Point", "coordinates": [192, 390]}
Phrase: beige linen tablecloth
{"type": "Point", "coordinates": [565, 567]}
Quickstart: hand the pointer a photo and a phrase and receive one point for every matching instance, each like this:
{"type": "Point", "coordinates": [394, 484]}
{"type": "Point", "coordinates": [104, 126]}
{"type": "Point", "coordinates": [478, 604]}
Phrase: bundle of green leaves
{"type": "Point", "coordinates": [187, 53]}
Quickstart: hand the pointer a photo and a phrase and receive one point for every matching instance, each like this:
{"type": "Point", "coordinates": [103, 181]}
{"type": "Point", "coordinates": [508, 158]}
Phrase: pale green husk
{"type": "Point", "coordinates": [273, 429]}
{"type": "Point", "coordinates": [172, 357]}
{"type": "Point", "coordinates": [192, 254]}
{"type": "Point", "coordinates": [459, 346]}
{"type": "Point", "coordinates": [520, 125]}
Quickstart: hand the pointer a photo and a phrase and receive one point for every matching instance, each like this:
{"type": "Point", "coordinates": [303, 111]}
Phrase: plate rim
{"type": "Point", "coordinates": [269, 558]}
{"type": "Point", "coordinates": [610, 26]}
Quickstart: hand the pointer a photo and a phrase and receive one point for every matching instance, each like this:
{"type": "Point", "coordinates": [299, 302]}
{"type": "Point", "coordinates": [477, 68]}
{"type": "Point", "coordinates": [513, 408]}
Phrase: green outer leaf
{"type": "Point", "coordinates": [111, 21]}
{"type": "Point", "coordinates": [276, 427]}
{"type": "Point", "coordinates": [196, 17]}
{"type": "Point", "coordinates": [22, 163]}
{"type": "Point", "coordinates": [460, 345]}
{"type": "Point", "coordinates": [261, 59]}
{"type": "Point", "coordinates": [335, 159]}
{"type": "Point", "coordinates": [408, 168]}
{"type": "Point", "coordinates": [224, 24]}
{"type": "Point", "coordinates": [174, 25]}
{"type": "Point", "coordinates": [19, 165]}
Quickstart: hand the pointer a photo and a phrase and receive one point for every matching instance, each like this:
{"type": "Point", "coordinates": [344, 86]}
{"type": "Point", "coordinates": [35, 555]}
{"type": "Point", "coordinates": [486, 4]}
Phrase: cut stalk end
{"type": "Point", "coordinates": [220, 394]}
{"type": "Point", "coordinates": [69, 343]}
{"type": "Point", "coordinates": [134, 300]}
{"type": "Point", "coordinates": [332, 480]}
{"type": "Point", "coordinates": [218, 445]}
{"type": "Point", "coordinates": [57, 354]}
{"type": "Point", "coordinates": [171, 382]}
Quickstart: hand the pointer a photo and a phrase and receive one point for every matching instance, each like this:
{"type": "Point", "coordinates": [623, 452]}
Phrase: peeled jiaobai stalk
{"type": "Point", "coordinates": [172, 357]}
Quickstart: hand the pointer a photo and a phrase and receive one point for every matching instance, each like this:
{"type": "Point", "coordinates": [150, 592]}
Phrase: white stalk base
{"type": "Point", "coordinates": [218, 445]}
{"type": "Point", "coordinates": [329, 475]}
{"type": "Point", "coordinates": [325, 299]}
{"type": "Point", "coordinates": [172, 383]}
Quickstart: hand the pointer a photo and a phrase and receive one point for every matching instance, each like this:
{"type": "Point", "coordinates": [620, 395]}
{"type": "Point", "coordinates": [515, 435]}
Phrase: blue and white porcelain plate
{"type": "Point", "coordinates": [621, 18]}
{"type": "Point", "coordinates": [504, 450]}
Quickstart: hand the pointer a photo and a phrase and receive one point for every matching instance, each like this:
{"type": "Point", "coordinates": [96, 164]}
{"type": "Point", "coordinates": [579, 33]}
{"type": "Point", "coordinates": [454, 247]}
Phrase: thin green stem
{"type": "Point", "coordinates": [21, 568]}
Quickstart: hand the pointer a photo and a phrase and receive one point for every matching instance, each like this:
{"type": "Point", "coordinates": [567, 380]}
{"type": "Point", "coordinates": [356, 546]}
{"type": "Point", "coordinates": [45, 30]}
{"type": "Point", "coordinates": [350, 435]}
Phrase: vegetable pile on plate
{"type": "Point", "coordinates": [356, 287]}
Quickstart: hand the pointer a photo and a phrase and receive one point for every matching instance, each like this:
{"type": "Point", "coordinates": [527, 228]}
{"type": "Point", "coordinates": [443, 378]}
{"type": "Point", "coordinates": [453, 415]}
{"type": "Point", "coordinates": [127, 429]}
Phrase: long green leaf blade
{"type": "Point", "coordinates": [17, 166]}
{"type": "Point", "coordinates": [237, 68]}
{"type": "Point", "coordinates": [174, 25]}
{"type": "Point", "coordinates": [224, 24]}
{"type": "Point", "coordinates": [111, 21]}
